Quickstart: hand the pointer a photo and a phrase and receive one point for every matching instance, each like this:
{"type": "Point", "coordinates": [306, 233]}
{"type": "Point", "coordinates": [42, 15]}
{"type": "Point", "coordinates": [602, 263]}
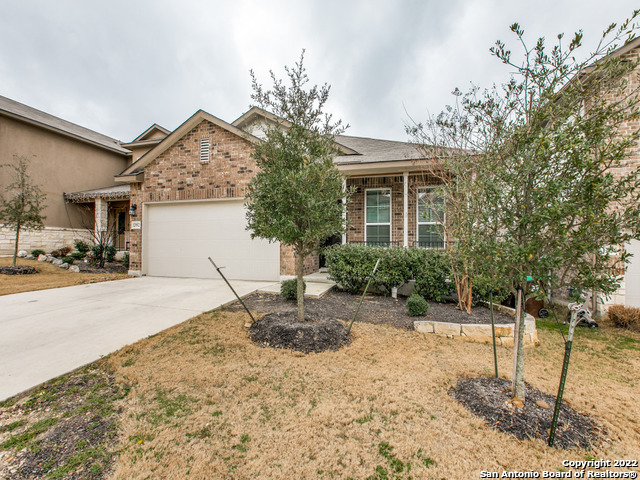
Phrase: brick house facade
{"type": "Point", "coordinates": [175, 171]}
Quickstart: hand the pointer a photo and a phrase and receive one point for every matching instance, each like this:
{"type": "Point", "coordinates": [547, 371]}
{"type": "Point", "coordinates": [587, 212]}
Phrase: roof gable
{"type": "Point", "coordinates": [256, 116]}
{"type": "Point", "coordinates": [154, 132]}
{"type": "Point", "coordinates": [132, 172]}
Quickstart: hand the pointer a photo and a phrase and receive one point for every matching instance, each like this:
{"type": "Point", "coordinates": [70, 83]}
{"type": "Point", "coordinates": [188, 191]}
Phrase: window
{"type": "Point", "coordinates": [430, 218]}
{"type": "Point", "coordinates": [377, 229]}
{"type": "Point", "coordinates": [204, 150]}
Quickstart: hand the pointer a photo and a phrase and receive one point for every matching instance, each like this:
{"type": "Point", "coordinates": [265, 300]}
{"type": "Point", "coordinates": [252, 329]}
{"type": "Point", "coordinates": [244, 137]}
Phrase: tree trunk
{"type": "Point", "coordinates": [518, 348]}
{"type": "Point", "coordinates": [300, 274]}
{"type": "Point", "coordinates": [15, 247]}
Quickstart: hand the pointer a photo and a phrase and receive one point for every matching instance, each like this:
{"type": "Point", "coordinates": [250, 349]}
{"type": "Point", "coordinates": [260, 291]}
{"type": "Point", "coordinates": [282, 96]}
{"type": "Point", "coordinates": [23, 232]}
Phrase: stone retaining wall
{"type": "Point", "coordinates": [482, 333]}
{"type": "Point", "coordinates": [47, 239]}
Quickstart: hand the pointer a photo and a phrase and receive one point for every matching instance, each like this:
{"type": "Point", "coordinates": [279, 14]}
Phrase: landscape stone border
{"type": "Point", "coordinates": [482, 333]}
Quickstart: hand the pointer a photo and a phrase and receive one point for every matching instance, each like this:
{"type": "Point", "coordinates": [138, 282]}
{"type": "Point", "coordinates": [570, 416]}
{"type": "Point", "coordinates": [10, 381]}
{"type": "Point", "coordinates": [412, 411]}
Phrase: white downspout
{"type": "Point", "coordinates": [405, 214]}
{"type": "Point", "coordinates": [344, 210]}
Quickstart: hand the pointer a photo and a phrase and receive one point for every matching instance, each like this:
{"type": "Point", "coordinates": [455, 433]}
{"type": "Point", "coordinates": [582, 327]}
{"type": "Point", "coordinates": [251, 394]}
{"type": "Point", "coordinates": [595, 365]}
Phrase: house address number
{"type": "Point", "coordinates": [136, 225]}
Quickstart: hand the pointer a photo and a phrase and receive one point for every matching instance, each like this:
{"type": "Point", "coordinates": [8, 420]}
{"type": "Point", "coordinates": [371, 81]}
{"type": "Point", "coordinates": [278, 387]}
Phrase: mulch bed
{"type": "Point", "coordinates": [376, 309]}
{"type": "Point", "coordinates": [489, 398]}
{"type": "Point", "coordinates": [109, 267]}
{"type": "Point", "coordinates": [18, 270]}
{"type": "Point", "coordinates": [282, 330]}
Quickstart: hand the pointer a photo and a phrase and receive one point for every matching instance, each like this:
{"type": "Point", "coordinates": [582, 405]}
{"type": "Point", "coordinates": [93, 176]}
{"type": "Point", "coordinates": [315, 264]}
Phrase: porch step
{"type": "Point", "coordinates": [316, 277]}
{"type": "Point", "coordinates": [313, 290]}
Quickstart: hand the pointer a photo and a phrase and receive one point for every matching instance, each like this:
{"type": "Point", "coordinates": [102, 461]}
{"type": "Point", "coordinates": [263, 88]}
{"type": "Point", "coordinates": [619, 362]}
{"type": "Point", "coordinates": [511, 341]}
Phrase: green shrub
{"type": "Point", "coordinates": [68, 260]}
{"type": "Point", "coordinates": [110, 253]}
{"type": "Point", "coordinates": [394, 268]}
{"type": "Point", "coordinates": [624, 317]}
{"type": "Point", "coordinates": [96, 252]}
{"type": "Point", "coordinates": [482, 293]}
{"type": "Point", "coordinates": [36, 252]}
{"type": "Point", "coordinates": [125, 259]}
{"type": "Point", "coordinates": [350, 265]}
{"type": "Point", "coordinates": [432, 273]}
{"type": "Point", "coordinates": [77, 255]}
{"type": "Point", "coordinates": [81, 246]}
{"type": "Point", "coordinates": [289, 289]}
{"type": "Point", "coordinates": [417, 306]}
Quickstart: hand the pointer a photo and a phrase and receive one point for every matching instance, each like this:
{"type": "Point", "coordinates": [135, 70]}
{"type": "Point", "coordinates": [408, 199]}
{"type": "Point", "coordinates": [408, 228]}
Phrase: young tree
{"type": "Point", "coordinates": [102, 238]}
{"type": "Point", "coordinates": [22, 204]}
{"type": "Point", "coordinates": [295, 196]}
{"type": "Point", "coordinates": [547, 192]}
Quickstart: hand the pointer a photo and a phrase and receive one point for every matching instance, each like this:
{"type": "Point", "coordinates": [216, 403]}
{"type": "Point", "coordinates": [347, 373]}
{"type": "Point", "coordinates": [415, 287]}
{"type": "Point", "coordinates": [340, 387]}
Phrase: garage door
{"type": "Point", "coordinates": [180, 236]}
{"type": "Point", "coordinates": [632, 277]}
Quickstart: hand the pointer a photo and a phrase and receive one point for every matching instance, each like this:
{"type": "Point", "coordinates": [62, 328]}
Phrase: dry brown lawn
{"type": "Point", "coordinates": [49, 276]}
{"type": "Point", "coordinates": [208, 404]}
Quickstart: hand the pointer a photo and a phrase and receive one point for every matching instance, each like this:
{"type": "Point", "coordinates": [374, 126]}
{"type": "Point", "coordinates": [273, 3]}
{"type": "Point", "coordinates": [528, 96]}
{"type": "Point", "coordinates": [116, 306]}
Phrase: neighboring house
{"type": "Point", "coordinates": [64, 157]}
{"type": "Point", "coordinates": [629, 292]}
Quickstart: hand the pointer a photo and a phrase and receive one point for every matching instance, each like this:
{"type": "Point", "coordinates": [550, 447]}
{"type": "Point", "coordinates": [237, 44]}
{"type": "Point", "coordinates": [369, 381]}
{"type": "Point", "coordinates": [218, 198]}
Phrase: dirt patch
{"type": "Point", "coordinates": [283, 330]}
{"type": "Point", "coordinates": [375, 309]}
{"type": "Point", "coordinates": [489, 398]}
{"type": "Point", "coordinates": [18, 270]}
{"type": "Point", "coordinates": [65, 429]}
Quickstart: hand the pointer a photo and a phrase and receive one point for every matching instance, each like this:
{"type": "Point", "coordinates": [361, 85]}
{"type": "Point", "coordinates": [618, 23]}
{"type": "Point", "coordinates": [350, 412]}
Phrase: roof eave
{"type": "Point", "coordinates": [136, 177]}
{"type": "Point", "coordinates": [122, 151]}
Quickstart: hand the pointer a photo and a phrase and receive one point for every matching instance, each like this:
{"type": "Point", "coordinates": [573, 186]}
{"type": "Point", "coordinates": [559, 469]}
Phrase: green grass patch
{"type": "Point", "coordinates": [242, 446]}
{"type": "Point", "coordinates": [13, 425]}
{"type": "Point", "coordinates": [18, 442]}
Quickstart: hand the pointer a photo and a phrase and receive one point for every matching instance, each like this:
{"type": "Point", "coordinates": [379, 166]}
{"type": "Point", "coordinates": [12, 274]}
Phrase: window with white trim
{"type": "Point", "coordinates": [204, 150]}
{"type": "Point", "coordinates": [377, 223]}
{"type": "Point", "coordinates": [430, 218]}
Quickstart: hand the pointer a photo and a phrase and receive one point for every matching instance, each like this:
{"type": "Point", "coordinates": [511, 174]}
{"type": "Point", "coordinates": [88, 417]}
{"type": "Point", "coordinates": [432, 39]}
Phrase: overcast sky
{"type": "Point", "coordinates": [119, 66]}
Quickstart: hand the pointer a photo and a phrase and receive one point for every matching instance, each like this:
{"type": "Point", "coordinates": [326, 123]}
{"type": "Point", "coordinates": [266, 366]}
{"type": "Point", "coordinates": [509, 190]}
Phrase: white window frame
{"type": "Point", "coordinates": [418, 222]}
{"type": "Point", "coordinates": [382, 223]}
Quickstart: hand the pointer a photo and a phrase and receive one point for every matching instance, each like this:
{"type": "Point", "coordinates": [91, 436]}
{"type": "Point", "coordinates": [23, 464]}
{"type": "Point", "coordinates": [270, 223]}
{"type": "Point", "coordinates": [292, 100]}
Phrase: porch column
{"type": "Point", "coordinates": [344, 210]}
{"type": "Point", "coordinates": [405, 213]}
{"type": "Point", "coordinates": [101, 216]}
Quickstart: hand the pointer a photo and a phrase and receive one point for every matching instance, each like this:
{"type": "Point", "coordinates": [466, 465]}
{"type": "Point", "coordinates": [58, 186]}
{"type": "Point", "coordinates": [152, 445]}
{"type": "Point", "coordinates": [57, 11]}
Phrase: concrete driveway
{"type": "Point", "coordinates": [48, 333]}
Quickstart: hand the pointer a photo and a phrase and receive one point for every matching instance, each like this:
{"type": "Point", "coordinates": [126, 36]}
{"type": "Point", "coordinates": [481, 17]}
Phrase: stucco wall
{"type": "Point", "coordinates": [58, 164]}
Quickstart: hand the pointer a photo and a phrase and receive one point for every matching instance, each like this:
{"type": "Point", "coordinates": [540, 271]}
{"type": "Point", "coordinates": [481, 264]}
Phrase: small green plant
{"type": "Point", "coordinates": [81, 246]}
{"type": "Point", "coordinates": [110, 253]}
{"type": "Point", "coordinates": [36, 252]}
{"type": "Point", "coordinates": [397, 469]}
{"type": "Point", "coordinates": [68, 260]}
{"type": "Point", "coordinates": [624, 317]}
{"type": "Point", "coordinates": [125, 259]}
{"type": "Point", "coordinates": [289, 289]}
{"type": "Point", "coordinates": [242, 446]}
{"type": "Point", "coordinates": [77, 255]}
{"type": "Point", "coordinates": [97, 251]}
{"type": "Point", "coordinates": [417, 306]}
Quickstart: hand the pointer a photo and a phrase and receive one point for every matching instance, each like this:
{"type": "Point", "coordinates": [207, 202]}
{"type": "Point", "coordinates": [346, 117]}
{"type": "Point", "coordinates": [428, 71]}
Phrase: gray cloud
{"type": "Point", "coordinates": [119, 66]}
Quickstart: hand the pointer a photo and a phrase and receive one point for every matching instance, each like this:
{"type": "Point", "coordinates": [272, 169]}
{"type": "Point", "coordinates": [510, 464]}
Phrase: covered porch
{"type": "Point", "coordinates": [396, 209]}
{"type": "Point", "coordinates": [110, 212]}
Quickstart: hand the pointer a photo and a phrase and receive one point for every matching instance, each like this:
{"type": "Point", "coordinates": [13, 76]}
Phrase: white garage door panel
{"type": "Point", "coordinates": [632, 276]}
{"type": "Point", "coordinates": [180, 237]}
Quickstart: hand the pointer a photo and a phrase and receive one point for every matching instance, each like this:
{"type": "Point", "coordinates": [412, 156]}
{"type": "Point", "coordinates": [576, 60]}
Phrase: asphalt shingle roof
{"type": "Point", "coordinates": [372, 150]}
{"type": "Point", "coordinates": [32, 115]}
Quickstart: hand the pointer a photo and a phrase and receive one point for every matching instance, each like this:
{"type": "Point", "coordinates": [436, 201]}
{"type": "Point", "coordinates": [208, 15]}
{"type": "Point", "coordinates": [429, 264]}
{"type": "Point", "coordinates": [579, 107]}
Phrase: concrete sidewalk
{"type": "Point", "coordinates": [47, 333]}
